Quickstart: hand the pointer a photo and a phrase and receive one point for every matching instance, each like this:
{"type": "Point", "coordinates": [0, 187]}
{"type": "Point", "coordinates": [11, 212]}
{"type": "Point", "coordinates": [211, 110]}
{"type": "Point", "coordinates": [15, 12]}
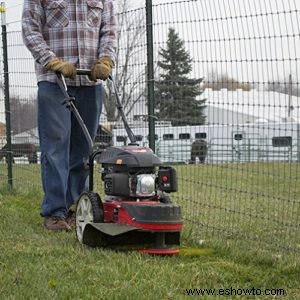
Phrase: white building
{"type": "Point", "coordinates": [240, 107]}
{"type": "Point", "coordinates": [241, 126]}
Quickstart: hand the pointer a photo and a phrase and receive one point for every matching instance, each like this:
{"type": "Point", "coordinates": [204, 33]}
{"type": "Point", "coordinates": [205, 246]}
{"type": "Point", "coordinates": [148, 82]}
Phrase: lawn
{"type": "Point", "coordinates": [37, 264]}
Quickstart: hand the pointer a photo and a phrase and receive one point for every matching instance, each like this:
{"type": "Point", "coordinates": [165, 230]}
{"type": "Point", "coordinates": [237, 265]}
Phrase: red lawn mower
{"type": "Point", "coordinates": [136, 210]}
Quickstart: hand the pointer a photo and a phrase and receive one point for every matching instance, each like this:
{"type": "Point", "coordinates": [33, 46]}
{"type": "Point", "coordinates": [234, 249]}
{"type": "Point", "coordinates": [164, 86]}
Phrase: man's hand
{"type": "Point", "coordinates": [65, 68]}
{"type": "Point", "coordinates": [101, 69]}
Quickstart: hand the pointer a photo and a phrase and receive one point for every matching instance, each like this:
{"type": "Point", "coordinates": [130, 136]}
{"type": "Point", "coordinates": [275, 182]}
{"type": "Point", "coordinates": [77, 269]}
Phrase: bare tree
{"type": "Point", "coordinates": [285, 86]}
{"type": "Point", "coordinates": [217, 82]}
{"type": "Point", "coordinates": [23, 114]}
{"type": "Point", "coordinates": [130, 62]}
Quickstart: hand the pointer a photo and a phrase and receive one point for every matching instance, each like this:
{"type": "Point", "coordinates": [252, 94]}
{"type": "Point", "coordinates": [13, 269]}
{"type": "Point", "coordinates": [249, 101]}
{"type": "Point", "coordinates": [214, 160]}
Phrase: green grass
{"type": "Point", "coordinates": [241, 232]}
{"type": "Point", "coordinates": [256, 202]}
{"type": "Point", "coordinates": [37, 264]}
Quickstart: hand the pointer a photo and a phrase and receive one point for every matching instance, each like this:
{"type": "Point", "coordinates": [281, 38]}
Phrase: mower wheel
{"type": "Point", "coordinates": [89, 210]}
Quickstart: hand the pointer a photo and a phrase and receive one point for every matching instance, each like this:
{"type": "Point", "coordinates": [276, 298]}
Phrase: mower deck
{"type": "Point", "coordinates": [152, 225]}
{"type": "Point", "coordinates": [158, 251]}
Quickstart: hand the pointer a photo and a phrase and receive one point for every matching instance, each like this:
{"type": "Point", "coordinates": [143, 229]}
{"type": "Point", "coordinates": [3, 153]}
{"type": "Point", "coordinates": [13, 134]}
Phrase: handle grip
{"type": "Point", "coordinates": [88, 73]}
{"type": "Point", "coordinates": [83, 72]}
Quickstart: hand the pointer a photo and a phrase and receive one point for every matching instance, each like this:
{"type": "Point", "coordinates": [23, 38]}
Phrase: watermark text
{"type": "Point", "coordinates": [235, 292]}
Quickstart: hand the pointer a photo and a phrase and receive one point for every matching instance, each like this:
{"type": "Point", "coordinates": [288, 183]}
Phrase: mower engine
{"type": "Point", "coordinates": [132, 174]}
{"type": "Point", "coordinates": [136, 209]}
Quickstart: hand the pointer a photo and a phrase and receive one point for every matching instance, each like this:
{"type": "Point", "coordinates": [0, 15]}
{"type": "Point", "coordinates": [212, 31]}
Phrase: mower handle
{"type": "Point", "coordinates": [88, 73]}
{"type": "Point", "coordinates": [130, 134]}
{"type": "Point", "coordinates": [69, 102]}
{"type": "Point", "coordinates": [63, 86]}
{"type": "Point", "coordinates": [83, 72]}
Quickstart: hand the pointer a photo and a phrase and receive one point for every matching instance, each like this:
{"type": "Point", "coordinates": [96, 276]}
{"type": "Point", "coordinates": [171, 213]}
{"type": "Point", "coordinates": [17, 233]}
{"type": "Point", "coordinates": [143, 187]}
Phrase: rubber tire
{"type": "Point", "coordinates": [95, 213]}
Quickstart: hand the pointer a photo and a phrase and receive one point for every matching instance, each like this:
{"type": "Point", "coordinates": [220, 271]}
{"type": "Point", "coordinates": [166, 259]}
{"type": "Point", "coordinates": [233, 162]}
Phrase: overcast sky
{"type": "Point", "coordinates": [219, 38]}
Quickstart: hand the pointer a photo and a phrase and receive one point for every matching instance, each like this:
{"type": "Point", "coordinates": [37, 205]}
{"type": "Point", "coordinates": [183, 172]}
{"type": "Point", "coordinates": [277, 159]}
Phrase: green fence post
{"type": "Point", "coordinates": [6, 95]}
{"type": "Point", "coordinates": [150, 74]}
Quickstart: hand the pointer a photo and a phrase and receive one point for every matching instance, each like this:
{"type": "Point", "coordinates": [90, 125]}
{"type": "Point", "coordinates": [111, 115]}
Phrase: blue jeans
{"type": "Point", "coordinates": [64, 148]}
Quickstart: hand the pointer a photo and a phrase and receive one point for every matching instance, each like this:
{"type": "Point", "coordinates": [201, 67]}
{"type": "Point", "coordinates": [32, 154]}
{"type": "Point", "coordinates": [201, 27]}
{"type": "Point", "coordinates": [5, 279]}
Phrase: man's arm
{"type": "Point", "coordinates": [108, 32]}
{"type": "Point", "coordinates": [32, 21]}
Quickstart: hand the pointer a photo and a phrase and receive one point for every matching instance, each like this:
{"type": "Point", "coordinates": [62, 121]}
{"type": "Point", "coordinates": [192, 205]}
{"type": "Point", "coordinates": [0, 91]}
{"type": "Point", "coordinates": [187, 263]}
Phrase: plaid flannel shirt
{"type": "Point", "coordinates": [77, 31]}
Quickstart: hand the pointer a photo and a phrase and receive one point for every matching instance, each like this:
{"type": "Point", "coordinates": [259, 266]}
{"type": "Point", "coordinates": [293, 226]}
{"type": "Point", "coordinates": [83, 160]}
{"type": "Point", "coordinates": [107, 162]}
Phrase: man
{"type": "Point", "coordinates": [198, 149]}
{"type": "Point", "coordinates": [62, 36]}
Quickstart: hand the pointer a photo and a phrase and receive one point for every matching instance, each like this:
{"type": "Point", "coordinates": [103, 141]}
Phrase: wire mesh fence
{"type": "Point", "coordinates": [225, 110]}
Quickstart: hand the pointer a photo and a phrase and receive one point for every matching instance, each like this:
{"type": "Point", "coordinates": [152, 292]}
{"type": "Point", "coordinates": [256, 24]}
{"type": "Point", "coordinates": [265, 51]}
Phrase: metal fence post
{"type": "Point", "coordinates": [298, 143]}
{"type": "Point", "coordinates": [150, 74]}
{"type": "Point", "coordinates": [6, 95]}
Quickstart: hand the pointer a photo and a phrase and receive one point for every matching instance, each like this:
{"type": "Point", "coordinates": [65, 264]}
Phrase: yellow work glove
{"type": "Point", "coordinates": [102, 68]}
{"type": "Point", "coordinates": [65, 68]}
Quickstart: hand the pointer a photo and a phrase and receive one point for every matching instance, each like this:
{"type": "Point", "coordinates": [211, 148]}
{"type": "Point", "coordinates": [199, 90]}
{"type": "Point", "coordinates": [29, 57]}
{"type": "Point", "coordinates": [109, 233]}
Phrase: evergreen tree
{"type": "Point", "coordinates": [176, 93]}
